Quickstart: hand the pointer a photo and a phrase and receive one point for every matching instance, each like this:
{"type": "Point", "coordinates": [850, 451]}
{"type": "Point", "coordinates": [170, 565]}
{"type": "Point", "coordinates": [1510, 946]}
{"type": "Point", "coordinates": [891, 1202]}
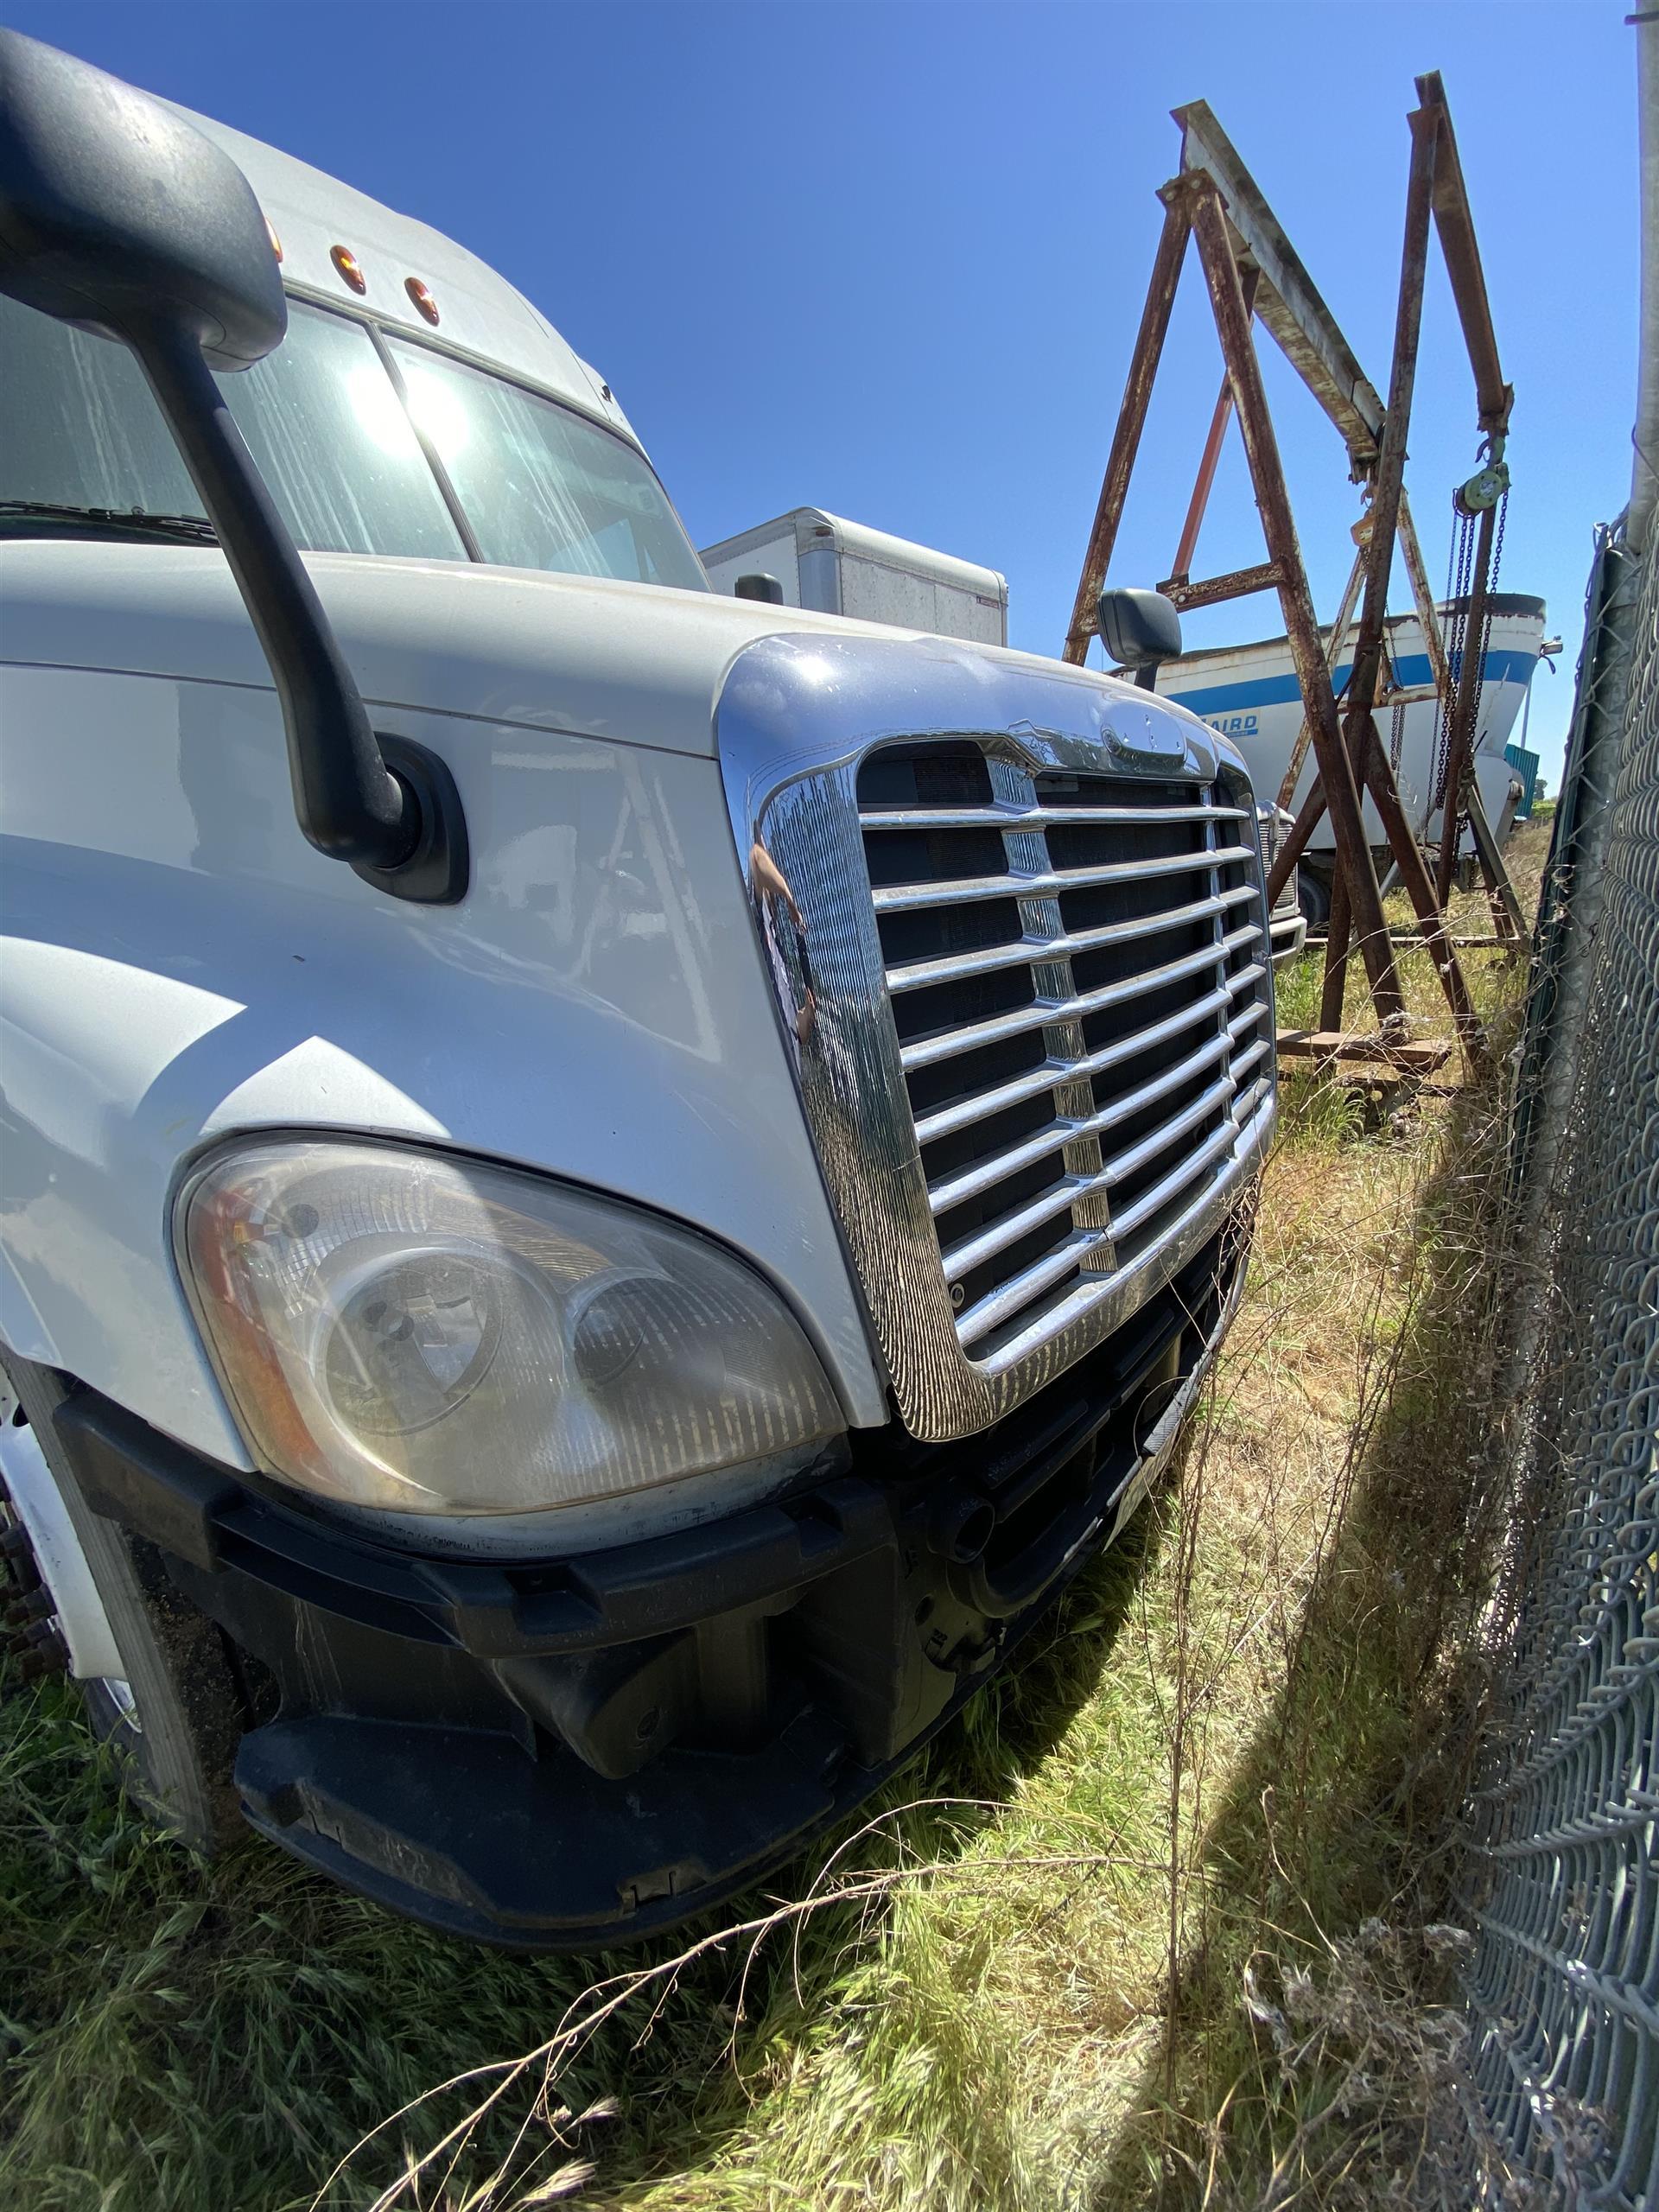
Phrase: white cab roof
{"type": "Point", "coordinates": [481, 314]}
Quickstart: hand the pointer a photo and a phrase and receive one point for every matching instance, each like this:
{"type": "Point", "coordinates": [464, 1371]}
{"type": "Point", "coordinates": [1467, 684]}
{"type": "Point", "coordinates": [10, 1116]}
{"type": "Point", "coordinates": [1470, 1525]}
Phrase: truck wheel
{"type": "Point", "coordinates": [156, 1675]}
{"type": "Point", "coordinates": [1313, 896]}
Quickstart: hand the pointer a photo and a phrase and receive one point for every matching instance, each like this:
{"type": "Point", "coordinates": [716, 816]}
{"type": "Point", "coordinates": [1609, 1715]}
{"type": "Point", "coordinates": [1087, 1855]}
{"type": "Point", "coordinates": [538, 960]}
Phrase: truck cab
{"type": "Point", "coordinates": [605, 1189]}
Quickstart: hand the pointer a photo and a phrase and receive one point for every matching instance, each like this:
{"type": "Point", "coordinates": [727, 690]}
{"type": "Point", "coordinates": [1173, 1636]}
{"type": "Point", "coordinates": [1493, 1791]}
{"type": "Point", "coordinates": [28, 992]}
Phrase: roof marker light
{"type": "Point", "coordinates": [346, 263]}
{"type": "Point", "coordinates": [423, 298]}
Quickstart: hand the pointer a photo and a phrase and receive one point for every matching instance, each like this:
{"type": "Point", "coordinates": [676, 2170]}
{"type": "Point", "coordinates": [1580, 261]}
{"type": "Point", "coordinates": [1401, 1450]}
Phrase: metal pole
{"type": "Point", "coordinates": [1359, 732]}
{"type": "Point", "coordinates": [1295, 839]}
{"type": "Point", "coordinates": [1391, 460]}
{"type": "Point", "coordinates": [1385, 510]}
{"type": "Point", "coordinates": [1334, 992]}
{"type": "Point", "coordinates": [1501, 893]}
{"type": "Point", "coordinates": [1131, 420]}
{"type": "Point", "coordinates": [1456, 225]}
{"type": "Point", "coordinates": [1208, 462]}
{"type": "Point", "coordinates": [1333, 645]}
{"type": "Point", "coordinates": [1200, 197]}
{"type": "Point", "coordinates": [1422, 593]}
{"type": "Point", "coordinates": [1182, 565]}
{"type": "Point", "coordinates": [1414, 874]}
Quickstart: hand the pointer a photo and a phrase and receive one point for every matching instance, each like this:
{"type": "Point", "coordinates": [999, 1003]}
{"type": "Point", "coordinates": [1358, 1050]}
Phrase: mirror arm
{"type": "Point", "coordinates": [405, 833]}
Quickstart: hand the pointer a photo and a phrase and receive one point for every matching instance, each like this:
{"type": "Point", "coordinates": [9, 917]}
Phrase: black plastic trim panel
{"type": "Point", "coordinates": [567, 1753]}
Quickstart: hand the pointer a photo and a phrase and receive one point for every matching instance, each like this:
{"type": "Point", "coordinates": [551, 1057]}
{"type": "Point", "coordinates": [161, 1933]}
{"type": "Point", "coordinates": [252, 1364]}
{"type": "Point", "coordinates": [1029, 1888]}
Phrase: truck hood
{"type": "Point", "coordinates": [632, 664]}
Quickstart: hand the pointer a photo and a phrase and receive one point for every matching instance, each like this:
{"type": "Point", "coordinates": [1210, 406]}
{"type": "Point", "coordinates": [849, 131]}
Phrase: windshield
{"type": "Point", "coordinates": [541, 487]}
{"type": "Point", "coordinates": [330, 430]}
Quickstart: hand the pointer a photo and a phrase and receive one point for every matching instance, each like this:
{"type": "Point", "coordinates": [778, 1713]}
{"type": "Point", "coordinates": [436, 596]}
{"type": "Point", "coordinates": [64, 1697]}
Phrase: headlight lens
{"type": "Point", "coordinates": [403, 1330]}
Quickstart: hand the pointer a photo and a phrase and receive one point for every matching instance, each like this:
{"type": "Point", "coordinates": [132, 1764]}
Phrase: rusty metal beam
{"type": "Point", "coordinates": [1391, 458]}
{"type": "Point", "coordinates": [1423, 1058]}
{"type": "Point", "coordinates": [1413, 875]}
{"type": "Point", "coordinates": [1288, 299]}
{"type": "Point", "coordinates": [1203, 483]}
{"type": "Point", "coordinates": [1126, 438]}
{"type": "Point", "coordinates": [1333, 643]}
{"type": "Point", "coordinates": [1455, 222]}
{"type": "Point", "coordinates": [1202, 201]}
{"type": "Point", "coordinates": [1507, 912]}
{"type": "Point", "coordinates": [1360, 737]}
{"type": "Point", "coordinates": [1211, 591]}
{"type": "Point", "coordinates": [1294, 842]}
{"type": "Point", "coordinates": [1411, 694]}
{"type": "Point", "coordinates": [1422, 593]}
{"type": "Point", "coordinates": [1358, 730]}
{"type": "Point", "coordinates": [1333, 990]}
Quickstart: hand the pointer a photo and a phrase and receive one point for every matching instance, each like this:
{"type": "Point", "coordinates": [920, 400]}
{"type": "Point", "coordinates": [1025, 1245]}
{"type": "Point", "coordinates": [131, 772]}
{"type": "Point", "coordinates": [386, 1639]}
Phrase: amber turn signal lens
{"type": "Point", "coordinates": [423, 298]}
{"type": "Point", "coordinates": [346, 263]}
{"type": "Point", "coordinates": [275, 243]}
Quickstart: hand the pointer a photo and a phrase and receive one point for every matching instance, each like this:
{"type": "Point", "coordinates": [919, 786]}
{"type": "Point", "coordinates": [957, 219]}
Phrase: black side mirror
{"type": "Point", "coordinates": [759, 586]}
{"type": "Point", "coordinates": [1138, 629]}
{"type": "Point", "coordinates": [119, 217]}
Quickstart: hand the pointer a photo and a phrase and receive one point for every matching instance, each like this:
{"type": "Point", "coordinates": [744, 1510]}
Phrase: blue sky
{"type": "Point", "coordinates": [888, 259]}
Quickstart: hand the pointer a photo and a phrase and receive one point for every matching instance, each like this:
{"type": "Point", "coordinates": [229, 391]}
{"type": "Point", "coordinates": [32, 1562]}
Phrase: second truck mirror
{"type": "Point", "coordinates": [118, 216]}
{"type": "Point", "coordinates": [1138, 629]}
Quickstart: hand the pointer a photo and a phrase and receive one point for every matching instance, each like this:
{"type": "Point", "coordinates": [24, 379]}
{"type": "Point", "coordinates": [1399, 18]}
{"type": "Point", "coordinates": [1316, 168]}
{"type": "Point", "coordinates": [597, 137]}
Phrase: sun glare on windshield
{"type": "Point", "coordinates": [438, 413]}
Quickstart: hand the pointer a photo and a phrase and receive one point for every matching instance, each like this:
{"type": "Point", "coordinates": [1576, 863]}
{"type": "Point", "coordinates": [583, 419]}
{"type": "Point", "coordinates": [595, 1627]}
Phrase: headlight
{"type": "Point", "coordinates": [403, 1330]}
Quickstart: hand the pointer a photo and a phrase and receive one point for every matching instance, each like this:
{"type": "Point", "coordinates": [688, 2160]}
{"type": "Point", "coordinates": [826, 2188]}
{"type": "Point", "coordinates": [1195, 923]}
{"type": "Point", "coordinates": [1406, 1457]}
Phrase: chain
{"type": "Point", "coordinates": [1474, 671]}
{"type": "Point", "coordinates": [1459, 562]}
{"type": "Point", "coordinates": [1465, 657]}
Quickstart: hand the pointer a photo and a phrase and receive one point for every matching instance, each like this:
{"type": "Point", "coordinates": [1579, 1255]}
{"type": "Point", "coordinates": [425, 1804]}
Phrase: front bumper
{"type": "Point", "coordinates": [573, 1752]}
{"type": "Point", "coordinates": [1288, 932]}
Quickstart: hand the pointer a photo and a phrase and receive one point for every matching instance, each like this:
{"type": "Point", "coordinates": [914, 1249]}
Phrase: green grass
{"type": "Point", "coordinates": [1223, 1765]}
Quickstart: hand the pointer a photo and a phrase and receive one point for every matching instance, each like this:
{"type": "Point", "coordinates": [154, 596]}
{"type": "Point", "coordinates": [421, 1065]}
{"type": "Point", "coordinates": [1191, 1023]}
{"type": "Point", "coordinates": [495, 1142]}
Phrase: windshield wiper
{"type": "Point", "coordinates": [109, 522]}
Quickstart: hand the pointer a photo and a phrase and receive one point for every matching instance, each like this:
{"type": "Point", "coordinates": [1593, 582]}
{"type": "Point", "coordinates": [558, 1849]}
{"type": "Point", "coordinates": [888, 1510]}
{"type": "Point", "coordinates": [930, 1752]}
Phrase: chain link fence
{"type": "Point", "coordinates": [1563, 1984]}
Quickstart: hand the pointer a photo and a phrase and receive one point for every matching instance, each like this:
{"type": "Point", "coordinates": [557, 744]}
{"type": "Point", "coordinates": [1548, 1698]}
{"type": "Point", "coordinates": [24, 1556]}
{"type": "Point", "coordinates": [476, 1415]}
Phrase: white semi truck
{"type": "Point", "coordinates": [605, 1189]}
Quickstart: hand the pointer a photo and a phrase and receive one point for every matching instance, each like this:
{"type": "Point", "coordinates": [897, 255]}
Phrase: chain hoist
{"type": "Point", "coordinates": [1465, 657]}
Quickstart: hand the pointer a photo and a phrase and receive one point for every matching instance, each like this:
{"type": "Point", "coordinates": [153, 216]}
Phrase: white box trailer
{"type": "Point", "coordinates": [837, 567]}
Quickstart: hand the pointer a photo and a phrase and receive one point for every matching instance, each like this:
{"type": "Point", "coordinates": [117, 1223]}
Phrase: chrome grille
{"type": "Point", "coordinates": [1078, 982]}
{"type": "Point", "coordinates": [1012, 920]}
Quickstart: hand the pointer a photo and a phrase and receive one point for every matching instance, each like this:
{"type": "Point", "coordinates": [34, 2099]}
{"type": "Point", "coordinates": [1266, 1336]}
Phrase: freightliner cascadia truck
{"type": "Point", "coordinates": [607, 1187]}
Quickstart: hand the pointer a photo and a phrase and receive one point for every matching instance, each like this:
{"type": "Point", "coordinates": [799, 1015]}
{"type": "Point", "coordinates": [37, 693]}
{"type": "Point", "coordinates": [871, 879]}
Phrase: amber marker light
{"type": "Point", "coordinates": [346, 261]}
{"type": "Point", "coordinates": [423, 298]}
{"type": "Point", "coordinates": [275, 243]}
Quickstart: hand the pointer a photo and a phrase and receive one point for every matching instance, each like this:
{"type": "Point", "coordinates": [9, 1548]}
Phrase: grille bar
{"type": "Point", "coordinates": [962, 1259]}
{"type": "Point", "coordinates": [949, 1042]}
{"type": "Point", "coordinates": [1075, 1303]}
{"type": "Point", "coordinates": [1037, 817]}
{"type": "Point", "coordinates": [1191, 1164]}
{"type": "Point", "coordinates": [1082, 1031]}
{"type": "Point", "coordinates": [943, 1196]}
{"type": "Point", "coordinates": [983, 1104]}
{"type": "Point", "coordinates": [1020, 1290]}
{"type": "Point", "coordinates": [910, 897]}
{"type": "Point", "coordinates": [918, 974]}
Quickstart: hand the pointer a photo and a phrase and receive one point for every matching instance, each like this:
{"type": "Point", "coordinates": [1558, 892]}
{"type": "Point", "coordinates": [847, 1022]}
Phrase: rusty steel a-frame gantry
{"type": "Point", "coordinates": [1252, 272]}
